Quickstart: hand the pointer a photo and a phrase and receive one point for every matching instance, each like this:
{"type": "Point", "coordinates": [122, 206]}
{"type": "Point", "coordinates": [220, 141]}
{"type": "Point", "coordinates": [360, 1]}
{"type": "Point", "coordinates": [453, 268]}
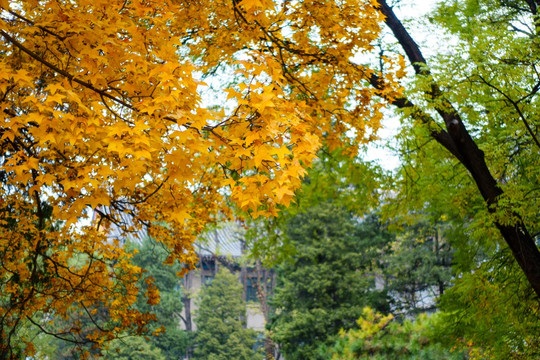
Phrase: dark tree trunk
{"type": "Point", "coordinates": [263, 295]}
{"type": "Point", "coordinates": [186, 300]}
{"type": "Point", "coordinates": [458, 141]}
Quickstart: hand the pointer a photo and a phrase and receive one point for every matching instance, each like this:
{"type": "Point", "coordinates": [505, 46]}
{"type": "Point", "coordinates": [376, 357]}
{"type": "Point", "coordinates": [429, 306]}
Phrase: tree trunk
{"type": "Point", "coordinates": [216, 255]}
{"type": "Point", "coordinates": [186, 300]}
{"type": "Point", "coordinates": [243, 278]}
{"type": "Point", "coordinates": [262, 294]}
{"type": "Point", "coordinates": [458, 141]}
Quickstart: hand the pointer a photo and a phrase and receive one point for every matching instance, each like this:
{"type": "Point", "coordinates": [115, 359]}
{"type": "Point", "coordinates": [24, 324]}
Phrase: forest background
{"type": "Point", "coordinates": [103, 111]}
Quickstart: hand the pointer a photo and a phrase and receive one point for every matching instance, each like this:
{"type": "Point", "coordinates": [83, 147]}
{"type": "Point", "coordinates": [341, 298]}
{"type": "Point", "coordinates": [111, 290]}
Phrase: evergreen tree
{"type": "Point", "coordinates": [328, 282]}
{"type": "Point", "coordinates": [220, 331]}
{"type": "Point", "coordinates": [151, 256]}
{"type": "Point", "coordinates": [418, 267]}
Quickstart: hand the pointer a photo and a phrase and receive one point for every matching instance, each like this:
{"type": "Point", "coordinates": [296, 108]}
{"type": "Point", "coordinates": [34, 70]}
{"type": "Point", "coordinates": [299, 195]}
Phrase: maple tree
{"type": "Point", "coordinates": [102, 110]}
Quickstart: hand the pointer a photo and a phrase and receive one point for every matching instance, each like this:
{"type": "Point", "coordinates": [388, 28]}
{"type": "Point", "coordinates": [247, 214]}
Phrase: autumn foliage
{"type": "Point", "coordinates": [102, 112]}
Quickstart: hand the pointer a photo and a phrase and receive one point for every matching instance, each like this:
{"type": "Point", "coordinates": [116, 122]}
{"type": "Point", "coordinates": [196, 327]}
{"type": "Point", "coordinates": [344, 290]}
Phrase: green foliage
{"type": "Point", "coordinates": [490, 74]}
{"type": "Point", "coordinates": [42, 344]}
{"type": "Point", "coordinates": [131, 348]}
{"type": "Point", "coordinates": [150, 256]}
{"type": "Point", "coordinates": [338, 177]}
{"type": "Point", "coordinates": [329, 280]}
{"type": "Point", "coordinates": [418, 267]}
{"type": "Point", "coordinates": [383, 338]}
{"type": "Point", "coordinates": [494, 311]}
{"type": "Point", "coordinates": [431, 189]}
{"type": "Point", "coordinates": [493, 78]}
{"type": "Point", "coordinates": [490, 307]}
{"type": "Point", "coordinates": [220, 331]}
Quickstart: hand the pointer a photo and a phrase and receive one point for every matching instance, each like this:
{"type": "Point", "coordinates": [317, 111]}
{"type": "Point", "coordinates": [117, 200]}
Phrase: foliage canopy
{"type": "Point", "coordinates": [101, 110]}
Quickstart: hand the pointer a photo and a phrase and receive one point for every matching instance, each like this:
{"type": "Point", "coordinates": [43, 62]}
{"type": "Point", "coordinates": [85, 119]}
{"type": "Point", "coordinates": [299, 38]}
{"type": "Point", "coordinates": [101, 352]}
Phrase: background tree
{"type": "Point", "coordinates": [221, 335]}
{"type": "Point", "coordinates": [335, 177]}
{"type": "Point", "coordinates": [166, 334]}
{"type": "Point", "coordinates": [418, 269]}
{"type": "Point", "coordinates": [133, 348]}
{"type": "Point", "coordinates": [327, 282]}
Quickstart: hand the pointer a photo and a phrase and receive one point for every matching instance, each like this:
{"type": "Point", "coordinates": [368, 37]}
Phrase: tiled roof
{"type": "Point", "coordinates": [224, 240]}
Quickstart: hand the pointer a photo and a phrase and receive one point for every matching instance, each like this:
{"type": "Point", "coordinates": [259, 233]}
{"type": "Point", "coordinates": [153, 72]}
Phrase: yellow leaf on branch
{"type": "Point", "coordinates": [104, 116]}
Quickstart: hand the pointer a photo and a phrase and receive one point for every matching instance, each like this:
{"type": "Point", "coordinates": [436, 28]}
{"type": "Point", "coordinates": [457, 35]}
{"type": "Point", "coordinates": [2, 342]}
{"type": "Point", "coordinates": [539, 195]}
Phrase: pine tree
{"type": "Point", "coordinates": [220, 331]}
{"type": "Point", "coordinates": [328, 282]}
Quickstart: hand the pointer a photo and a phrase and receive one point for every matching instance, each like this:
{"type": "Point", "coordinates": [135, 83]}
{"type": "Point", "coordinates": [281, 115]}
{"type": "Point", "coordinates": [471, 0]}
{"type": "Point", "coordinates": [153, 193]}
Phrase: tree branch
{"type": "Point", "coordinates": [439, 134]}
{"type": "Point", "coordinates": [62, 72]}
{"type": "Point", "coordinates": [515, 106]}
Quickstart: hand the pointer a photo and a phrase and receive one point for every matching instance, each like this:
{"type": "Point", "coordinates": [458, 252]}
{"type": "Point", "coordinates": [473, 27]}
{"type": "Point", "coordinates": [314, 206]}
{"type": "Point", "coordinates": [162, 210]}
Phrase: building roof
{"type": "Point", "coordinates": [224, 240]}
